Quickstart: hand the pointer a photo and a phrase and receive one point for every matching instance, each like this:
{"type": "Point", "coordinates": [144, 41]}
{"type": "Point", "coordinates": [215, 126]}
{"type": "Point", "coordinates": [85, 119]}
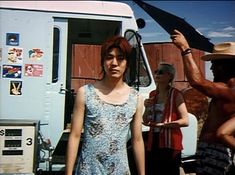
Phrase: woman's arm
{"type": "Point", "coordinates": [182, 112]}
{"type": "Point", "coordinates": [137, 139]}
{"type": "Point", "coordinates": [76, 130]}
{"type": "Point", "coordinates": [183, 120]}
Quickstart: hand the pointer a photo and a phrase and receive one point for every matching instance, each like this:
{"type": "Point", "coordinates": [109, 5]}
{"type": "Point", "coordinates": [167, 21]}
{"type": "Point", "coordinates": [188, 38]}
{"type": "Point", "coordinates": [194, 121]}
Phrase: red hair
{"type": "Point", "coordinates": [115, 42]}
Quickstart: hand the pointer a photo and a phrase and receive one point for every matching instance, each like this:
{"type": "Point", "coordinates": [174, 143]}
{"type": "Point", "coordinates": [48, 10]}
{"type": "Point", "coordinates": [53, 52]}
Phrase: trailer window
{"type": "Point", "coordinates": [137, 74]}
{"type": "Point", "coordinates": [90, 31]}
{"type": "Point", "coordinates": [55, 63]}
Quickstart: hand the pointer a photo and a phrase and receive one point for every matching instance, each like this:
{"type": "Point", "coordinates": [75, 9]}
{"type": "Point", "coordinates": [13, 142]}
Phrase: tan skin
{"type": "Point", "coordinates": [163, 88]}
{"type": "Point", "coordinates": [227, 132]}
{"type": "Point", "coordinates": [111, 89]}
{"type": "Point", "coordinates": [221, 93]}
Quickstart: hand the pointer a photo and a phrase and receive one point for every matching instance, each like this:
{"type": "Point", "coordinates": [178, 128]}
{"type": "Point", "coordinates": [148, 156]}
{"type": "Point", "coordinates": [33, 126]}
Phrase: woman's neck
{"type": "Point", "coordinates": [163, 88]}
{"type": "Point", "coordinates": [163, 92]}
{"type": "Point", "coordinates": [112, 83]}
{"type": "Point", "coordinates": [114, 92]}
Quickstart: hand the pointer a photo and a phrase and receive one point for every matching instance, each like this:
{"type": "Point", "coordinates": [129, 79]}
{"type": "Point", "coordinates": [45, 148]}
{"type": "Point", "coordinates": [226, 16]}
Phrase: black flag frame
{"type": "Point", "coordinates": [170, 22]}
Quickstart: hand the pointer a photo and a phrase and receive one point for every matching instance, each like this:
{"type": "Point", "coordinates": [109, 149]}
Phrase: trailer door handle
{"type": "Point", "coordinates": [62, 89]}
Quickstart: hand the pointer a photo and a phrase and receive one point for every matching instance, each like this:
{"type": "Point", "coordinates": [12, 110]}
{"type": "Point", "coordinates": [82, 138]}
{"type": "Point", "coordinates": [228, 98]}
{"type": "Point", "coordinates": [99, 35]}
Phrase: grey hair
{"type": "Point", "coordinates": [168, 68]}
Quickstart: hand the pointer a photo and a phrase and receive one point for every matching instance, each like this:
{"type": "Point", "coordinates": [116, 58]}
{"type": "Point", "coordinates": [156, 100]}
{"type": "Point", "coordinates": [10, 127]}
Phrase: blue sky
{"type": "Point", "coordinates": [214, 19]}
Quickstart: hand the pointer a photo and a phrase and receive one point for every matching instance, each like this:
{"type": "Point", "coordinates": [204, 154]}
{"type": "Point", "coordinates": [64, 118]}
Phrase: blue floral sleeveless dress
{"type": "Point", "coordinates": [106, 128]}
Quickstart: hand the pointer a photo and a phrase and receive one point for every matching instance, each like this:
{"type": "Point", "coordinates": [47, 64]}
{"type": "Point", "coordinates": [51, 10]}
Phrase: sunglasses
{"type": "Point", "coordinates": [159, 72]}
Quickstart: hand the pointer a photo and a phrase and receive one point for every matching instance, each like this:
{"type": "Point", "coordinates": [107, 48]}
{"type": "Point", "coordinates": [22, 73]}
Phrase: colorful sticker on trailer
{"type": "Point", "coordinates": [15, 87]}
{"type": "Point", "coordinates": [15, 55]}
{"type": "Point", "coordinates": [33, 70]}
{"type": "Point", "coordinates": [12, 39]}
{"type": "Point", "coordinates": [35, 54]}
{"type": "Point", "coordinates": [11, 71]}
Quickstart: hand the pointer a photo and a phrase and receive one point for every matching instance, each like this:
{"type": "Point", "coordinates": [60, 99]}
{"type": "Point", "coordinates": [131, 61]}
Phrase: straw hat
{"type": "Point", "coordinates": [221, 51]}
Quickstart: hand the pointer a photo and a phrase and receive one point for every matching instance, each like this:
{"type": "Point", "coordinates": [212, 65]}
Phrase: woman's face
{"type": "Point", "coordinates": [115, 63]}
{"type": "Point", "coordinates": [162, 76]}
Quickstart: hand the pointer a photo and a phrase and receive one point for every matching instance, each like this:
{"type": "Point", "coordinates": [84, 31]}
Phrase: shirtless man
{"type": "Point", "coordinates": [214, 157]}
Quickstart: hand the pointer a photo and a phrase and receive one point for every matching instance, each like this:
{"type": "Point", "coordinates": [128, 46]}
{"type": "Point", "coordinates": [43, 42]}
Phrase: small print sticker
{"type": "Point", "coordinates": [33, 70]}
{"type": "Point", "coordinates": [12, 39]}
{"type": "Point", "coordinates": [15, 87]}
{"type": "Point", "coordinates": [15, 55]}
{"type": "Point", "coordinates": [11, 71]}
{"type": "Point", "coordinates": [35, 54]}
